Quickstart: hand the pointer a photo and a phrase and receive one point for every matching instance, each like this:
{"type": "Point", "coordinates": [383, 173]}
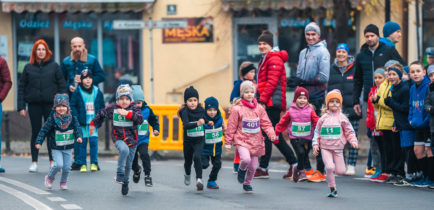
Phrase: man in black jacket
{"type": "Point", "coordinates": [373, 54]}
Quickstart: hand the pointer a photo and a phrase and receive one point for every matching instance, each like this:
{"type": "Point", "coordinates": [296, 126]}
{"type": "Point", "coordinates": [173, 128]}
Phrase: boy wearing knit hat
{"type": "Point", "coordinates": [392, 33]}
{"type": "Point", "coordinates": [126, 116]}
{"type": "Point", "coordinates": [149, 118]}
{"type": "Point", "coordinates": [86, 101]}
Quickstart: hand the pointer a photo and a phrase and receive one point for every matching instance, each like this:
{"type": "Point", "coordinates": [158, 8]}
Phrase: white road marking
{"type": "Point", "coordinates": [56, 199]}
{"type": "Point", "coordinates": [362, 178]}
{"type": "Point", "coordinates": [24, 186]}
{"type": "Point", "coordinates": [269, 170]}
{"type": "Point", "coordinates": [70, 206]}
{"type": "Point", "coordinates": [26, 198]}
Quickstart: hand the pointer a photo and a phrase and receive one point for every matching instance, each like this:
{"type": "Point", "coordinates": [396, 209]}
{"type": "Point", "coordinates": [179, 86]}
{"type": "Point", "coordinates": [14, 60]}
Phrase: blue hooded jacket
{"type": "Point", "coordinates": [152, 119]}
{"type": "Point", "coordinates": [216, 148]}
{"type": "Point", "coordinates": [417, 117]}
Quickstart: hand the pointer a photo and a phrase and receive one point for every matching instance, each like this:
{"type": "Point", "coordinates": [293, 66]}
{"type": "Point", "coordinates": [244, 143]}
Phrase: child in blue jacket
{"type": "Point", "coordinates": [212, 148]}
{"type": "Point", "coordinates": [149, 118]}
{"type": "Point", "coordinates": [86, 101]}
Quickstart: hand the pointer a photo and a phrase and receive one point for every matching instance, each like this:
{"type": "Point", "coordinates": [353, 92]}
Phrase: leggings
{"type": "Point", "coordinates": [334, 163]}
{"type": "Point", "coordinates": [193, 152]}
{"type": "Point", "coordinates": [37, 112]}
{"type": "Point", "coordinates": [248, 162]}
{"type": "Point", "coordinates": [301, 147]}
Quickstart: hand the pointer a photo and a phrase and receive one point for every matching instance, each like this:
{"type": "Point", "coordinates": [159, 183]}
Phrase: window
{"type": "Point", "coordinates": [428, 26]}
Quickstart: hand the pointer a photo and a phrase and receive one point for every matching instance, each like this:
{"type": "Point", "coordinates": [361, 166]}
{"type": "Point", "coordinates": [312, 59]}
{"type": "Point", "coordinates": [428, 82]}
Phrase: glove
{"type": "Point", "coordinates": [276, 140]}
{"type": "Point", "coordinates": [387, 101]}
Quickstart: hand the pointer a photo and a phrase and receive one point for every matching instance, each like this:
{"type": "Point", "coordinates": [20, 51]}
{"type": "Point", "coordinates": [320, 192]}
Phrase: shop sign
{"type": "Point", "coordinates": [299, 22]}
{"type": "Point", "coordinates": [199, 30]}
{"type": "Point", "coordinates": [24, 23]}
{"type": "Point", "coordinates": [75, 25]}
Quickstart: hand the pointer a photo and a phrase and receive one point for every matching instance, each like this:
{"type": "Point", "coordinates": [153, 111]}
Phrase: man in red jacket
{"type": "Point", "coordinates": [272, 95]}
{"type": "Point", "coordinates": [5, 86]}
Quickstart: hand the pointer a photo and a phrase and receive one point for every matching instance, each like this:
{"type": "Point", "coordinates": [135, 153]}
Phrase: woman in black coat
{"type": "Point", "coordinates": [40, 81]}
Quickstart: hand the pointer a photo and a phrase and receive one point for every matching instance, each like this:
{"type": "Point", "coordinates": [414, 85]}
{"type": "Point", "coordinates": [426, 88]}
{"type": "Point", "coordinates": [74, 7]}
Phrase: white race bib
{"type": "Point", "coordinates": [250, 125]}
{"type": "Point", "coordinates": [330, 132]}
{"type": "Point", "coordinates": [195, 132]}
{"type": "Point", "coordinates": [213, 136]}
{"type": "Point", "coordinates": [121, 121]}
{"type": "Point", "coordinates": [90, 109]}
{"type": "Point", "coordinates": [300, 129]}
{"type": "Point", "coordinates": [64, 138]}
{"type": "Point", "coordinates": [143, 128]}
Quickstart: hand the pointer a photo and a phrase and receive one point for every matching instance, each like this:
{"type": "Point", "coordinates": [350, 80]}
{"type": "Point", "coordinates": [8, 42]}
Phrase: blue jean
{"type": "Point", "coordinates": [62, 161]}
{"type": "Point", "coordinates": [93, 144]}
{"type": "Point", "coordinates": [125, 160]}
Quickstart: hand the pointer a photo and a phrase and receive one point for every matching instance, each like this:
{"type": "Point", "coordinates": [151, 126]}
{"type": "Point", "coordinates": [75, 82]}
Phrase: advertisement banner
{"type": "Point", "coordinates": [199, 30]}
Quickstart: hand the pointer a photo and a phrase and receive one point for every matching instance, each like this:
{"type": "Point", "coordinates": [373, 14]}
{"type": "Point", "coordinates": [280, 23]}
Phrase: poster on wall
{"type": "Point", "coordinates": [199, 30]}
{"type": "Point", "coordinates": [4, 47]}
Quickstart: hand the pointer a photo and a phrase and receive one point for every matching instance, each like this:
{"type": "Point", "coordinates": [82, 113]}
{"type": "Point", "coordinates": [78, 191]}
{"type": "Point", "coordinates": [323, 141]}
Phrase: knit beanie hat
{"type": "Point", "coordinates": [266, 37]}
{"type": "Point", "coordinates": [85, 74]}
{"type": "Point", "coordinates": [430, 52]}
{"type": "Point", "coordinates": [335, 93]}
{"type": "Point", "coordinates": [380, 71]}
{"type": "Point", "coordinates": [190, 92]}
{"type": "Point", "coordinates": [343, 46]}
{"type": "Point", "coordinates": [246, 69]}
{"type": "Point", "coordinates": [61, 99]}
{"type": "Point", "coordinates": [211, 102]}
{"type": "Point", "coordinates": [430, 69]}
{"type": "Point", "coordinates": [300, 91]}
{"type": "Point", "coordinates": [124, 90]}
{"type": "Point", "coordinates": [313, 27]}
{"type": "Point", "coordinates": [371, 28]}
{"type": "Point", "coordinates": [389, 28]}
{"type": "Point", "coordinates": [391, 62]}
{"type": "Point", "coordinates": [138, 93]}
{"type": "Point", "coordinates": [247, 85]}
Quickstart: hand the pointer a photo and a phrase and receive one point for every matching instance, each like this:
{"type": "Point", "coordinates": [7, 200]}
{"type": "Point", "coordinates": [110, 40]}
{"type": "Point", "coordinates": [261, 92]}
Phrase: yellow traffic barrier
{"type": "Point", "coordinates": [171, 133]}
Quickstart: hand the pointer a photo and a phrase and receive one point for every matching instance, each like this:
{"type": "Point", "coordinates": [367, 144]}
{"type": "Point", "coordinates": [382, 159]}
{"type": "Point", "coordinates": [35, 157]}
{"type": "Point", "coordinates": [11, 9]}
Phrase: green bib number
{"type": "Point", "coordinates": [195, 132]}
{"type": "Point", "coordinates": [64, 138]}
{"type": "Point", "coordinates": [121, 121]}
{"type": "Point", "coordinates": [143, 128]}
{"type": "Point", "coordinates": [330, 132]}
{"type": "Point", "coordinates": [300, 129]}
{"type": "Point", "coordinates": [213, 136]}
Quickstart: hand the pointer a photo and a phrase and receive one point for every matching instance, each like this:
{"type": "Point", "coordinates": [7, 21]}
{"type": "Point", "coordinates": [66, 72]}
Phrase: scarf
{"type": "Point", "coordinates": [87, 90]}
{"type": "Point", "coordinates": [63, 121]}
{"type": "Point", "coordinates": [248, 104]}
{"type": "Point", "coordinates": [215, 118]}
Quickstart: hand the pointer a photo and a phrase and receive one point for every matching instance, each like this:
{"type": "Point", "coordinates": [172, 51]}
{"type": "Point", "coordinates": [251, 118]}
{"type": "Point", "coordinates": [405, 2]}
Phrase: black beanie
{"type": "Point", "coordinates": [246, 69]}
{"type": "Point", "coordinates": [190, 92]}
{"type": "Point", "coordinates": [266, 37]}
{"type": "Point", "coordinates": [372, 28]}
{"type": "Point", "coordinates": [85, 74]}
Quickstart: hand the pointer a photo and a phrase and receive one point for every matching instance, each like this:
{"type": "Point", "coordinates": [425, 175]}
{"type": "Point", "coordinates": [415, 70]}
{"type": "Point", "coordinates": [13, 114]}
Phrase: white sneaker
{"type": "Point", "coordinates": [351, 171]}
{"type": "Point", "coordinates": [199, 184]}
{"type": "Point", "coordinates": [33, 167]}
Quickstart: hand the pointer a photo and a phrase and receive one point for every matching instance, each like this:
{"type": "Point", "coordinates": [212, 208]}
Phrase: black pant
{"type": "Point", "coordinates": [193, 151]}
{"type": "Point", "coordinates": [393, 153]}
{"type": "Point", "coordinates": [216, 165]}
{"type": "Point", "coordinates": [380, 143]}
{"type": "Point", "coordinates": [301, 147]}
{"type": "Point", "coordinates": [319, 163]}
{"type": "Point", "coordinates": [37, 111]}
{"type": "Point", "coordinates": [142, 150]}
{"type": "Point", "coordinates": [410, 159]}
{"type": "Point", "coordinates": [274, 115]}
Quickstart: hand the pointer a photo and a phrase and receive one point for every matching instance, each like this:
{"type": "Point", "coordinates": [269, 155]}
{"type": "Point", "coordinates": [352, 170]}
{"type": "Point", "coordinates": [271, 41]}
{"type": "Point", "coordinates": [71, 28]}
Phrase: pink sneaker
{"type": "Point", "coordinates": [63, 186]}
{"type": "Point", "coordinates": [303, 176]}
{"type": "Point", "coordinates": [49, 182]}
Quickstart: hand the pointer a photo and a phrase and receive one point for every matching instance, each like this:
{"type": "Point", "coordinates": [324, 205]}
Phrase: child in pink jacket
{"type": "Point", "coordinates": [244, 131]}
{"type": "Point", "coordinates": [331, 134]}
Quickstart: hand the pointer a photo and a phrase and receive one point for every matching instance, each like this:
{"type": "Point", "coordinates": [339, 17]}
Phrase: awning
{"type": "Point", "coordinates": [60, 6]}
{"type": "Point", "coordinates": [237, 5]}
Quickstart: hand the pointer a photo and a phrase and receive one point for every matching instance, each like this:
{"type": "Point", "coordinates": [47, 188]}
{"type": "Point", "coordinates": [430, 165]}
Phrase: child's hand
{"type": "Point", "coordinates": [211, 123]}
{"type": "Point", "coordinates": [316, 150]}
{"type": "Point", "coordinates": [275, 139]}
{"type": "Point", "coordinates": [394, 129]}
{"type": "Point", "coordinates": [156, 133]}
{"type": "Point", "coordinates": [428, 150]}
{"type": "Point", "coordinates": [79, 140]}
{"type": "Point", "coordinates": [122, 112]}
{"type": "Point", "coordinates": [200, 122]}
{"type": "Point", "coordinates": [37, 146]}
{"type": "Point", "coordinates": [91, 129]}
{"type": "Point", "coordinates": [228, 148]}
{"type": "Point", "coordinates": [355, 145]}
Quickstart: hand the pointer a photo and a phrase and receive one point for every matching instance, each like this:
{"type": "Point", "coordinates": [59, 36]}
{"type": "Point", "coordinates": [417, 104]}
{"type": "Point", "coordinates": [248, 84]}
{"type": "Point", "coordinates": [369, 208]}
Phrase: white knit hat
{"type": "Point", "coordinates": [246, 85]}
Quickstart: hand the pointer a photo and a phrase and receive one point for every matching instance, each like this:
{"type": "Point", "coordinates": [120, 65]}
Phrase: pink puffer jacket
{"type": "Point", "coordinates": [244, 128]}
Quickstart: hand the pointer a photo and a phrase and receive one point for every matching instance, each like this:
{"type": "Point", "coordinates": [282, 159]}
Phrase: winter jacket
{"type": "Point", "coordinates": [71, 68]}
{"type": "Point", "coordinates": [387, 41]}
{"type": "Point", "coordinates": [272, 79]}
{"type": "Point", "coordinates": [366, 63]}
{"type": "Point", "coordinates": [418, 117]}
{"type": "Point", "coordinates": [125, 128]}
{"type": "Point", "coordinates": [77, 104]}
{"type": "Point", "coordinates": [342, 78]}
{"type": "Point", "coordinates": [149, 118]}
{"type": "Point", "coordinates": [429, 106]}
{"type": "Point", "coordinates": [371, 113]}
{"type": "Point", "coordinates": [333, 131]}
{"type": "Point", "coordinates": [300, 122]}
{"type": "Point", "coordinates": [58, 138]}
{"type": "Point", "coordinates": [5, 79]}
{"type": "Point", "coordinates": [399, 104]}
{"type": "Point", "coordinates": [244, 128]}
{"type": "Point", "coordinates": [385, 119]}
{"type": "Point", "coordinates": [191, 131]}
{"type": "Point", "coordinates": [39, 83]}
{"type": "Point", "coordinates": [213, 139]}
{"type": "Point", "coordinates": [314, 70]}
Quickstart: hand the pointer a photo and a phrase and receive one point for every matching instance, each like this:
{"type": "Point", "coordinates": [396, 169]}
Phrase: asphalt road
{"type": "Point", "coordinates": [22, 190]}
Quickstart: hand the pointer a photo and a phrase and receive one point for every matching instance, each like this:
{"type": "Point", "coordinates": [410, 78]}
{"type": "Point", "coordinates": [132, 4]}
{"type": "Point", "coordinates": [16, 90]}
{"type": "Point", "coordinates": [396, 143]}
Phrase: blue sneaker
{"type": "Point", "coordinates": [247, 188]}
{"type": "Point", "coordinates": [241, 175]}
{"type": "Point", "coordinates": [430, 184]}
{"type": "Point", "coordinates": [376, 174]}
{"type": "Point", "coordinates": [212, 185]}
{"type": "Point", "coordinates": [2, 170]}
{"type": "Point", "coordinates": [236, 166]}
{"type": "Point", "coordinates": [420, 183]}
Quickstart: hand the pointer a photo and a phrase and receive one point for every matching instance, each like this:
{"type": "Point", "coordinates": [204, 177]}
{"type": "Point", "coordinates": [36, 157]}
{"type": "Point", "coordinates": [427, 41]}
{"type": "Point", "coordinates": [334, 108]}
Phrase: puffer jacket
{"type": "Point", "coordinates": [385, 119]}
{"type": "Point", "coordinates": [399, 104]}
{"type": "Point", "coordinates": [126, 132]}
{"type": "Point", "coordinates": [429, 106]}
{"type": "Point", "coordinates": [149, 118]}
{"type": "Point", "coordinates": [333, 131]}
{"type": "Point", "coordinates": [417, 116]}
{"type": "Point", "coordinates": [244, 128]}
{"type": "Point", "coordinates": [305, 115]}
{"type": "Point", "coordinates": [272, 79]}
{"type": "Point", "coordinates": [5, 79]}
{"type": "Point", "coordinates": [314, 70]}
{"type": "Point", "coordinates": [210, 147]}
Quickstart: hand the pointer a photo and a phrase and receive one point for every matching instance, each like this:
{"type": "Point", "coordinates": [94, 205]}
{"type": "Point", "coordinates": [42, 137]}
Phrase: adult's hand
{"type": "Point", "coordinates": [77, 78]}
{"type": "Point", "coordinates": [23, 113]}
{"type": "Point", "coordinates": [357, 109]}
{"type": "Point", "coordinates": [72, 89]}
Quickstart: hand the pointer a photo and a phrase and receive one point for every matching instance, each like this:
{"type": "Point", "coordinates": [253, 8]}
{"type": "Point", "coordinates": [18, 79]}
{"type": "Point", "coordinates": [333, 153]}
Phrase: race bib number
{"type": "Point", "coordinates": [250, 125]}
{"type": "Point", "coordinates": [330, 132]}
{"type": "Point", "coordinates": [121, 121]}
{"type": "Point", "coordinates": [213, 136]}
{"type": "Point", "coordinates": [64, 138]}
{"type": "Point", "coordinates": [90, 109]}
{"type": "Point", "coordinates": [301, 129]}
{"type": "Point", "coordinates": [195, 132]}
{"type": "Point", "coordinates": [143, 128]}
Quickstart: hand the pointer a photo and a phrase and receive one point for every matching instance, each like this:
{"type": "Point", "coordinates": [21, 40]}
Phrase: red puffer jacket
{"type": "Point", "coordinates": [272, 79]}
{"type": "Point", "coordinates": [5, 79]}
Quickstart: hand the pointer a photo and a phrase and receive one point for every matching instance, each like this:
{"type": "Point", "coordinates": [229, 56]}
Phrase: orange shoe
{"type": "Point", "coordinates": [316, 177]}
{"type": "Point", "coordinates": [309, 173]}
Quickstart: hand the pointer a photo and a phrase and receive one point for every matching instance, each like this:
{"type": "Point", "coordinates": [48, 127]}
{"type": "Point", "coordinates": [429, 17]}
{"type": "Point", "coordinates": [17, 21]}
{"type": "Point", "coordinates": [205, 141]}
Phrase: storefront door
{"type": "Point", "coordinates": [246, 32]}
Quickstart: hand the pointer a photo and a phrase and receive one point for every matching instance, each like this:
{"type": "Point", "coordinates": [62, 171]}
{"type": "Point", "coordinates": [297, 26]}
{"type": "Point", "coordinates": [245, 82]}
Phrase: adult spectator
{"type": "Point", "coordinates": [272, 95]}
{"type": "Point", "coordinates": [40, 81]}
{"type": "Point", "coordinates": [392, 34]}
{"type": "Point", "coordinates": [79, 60]}
{"type": "Point", "coordinates": [373, 54]}
{"type": "Point", "coordinates": [5, 86]}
